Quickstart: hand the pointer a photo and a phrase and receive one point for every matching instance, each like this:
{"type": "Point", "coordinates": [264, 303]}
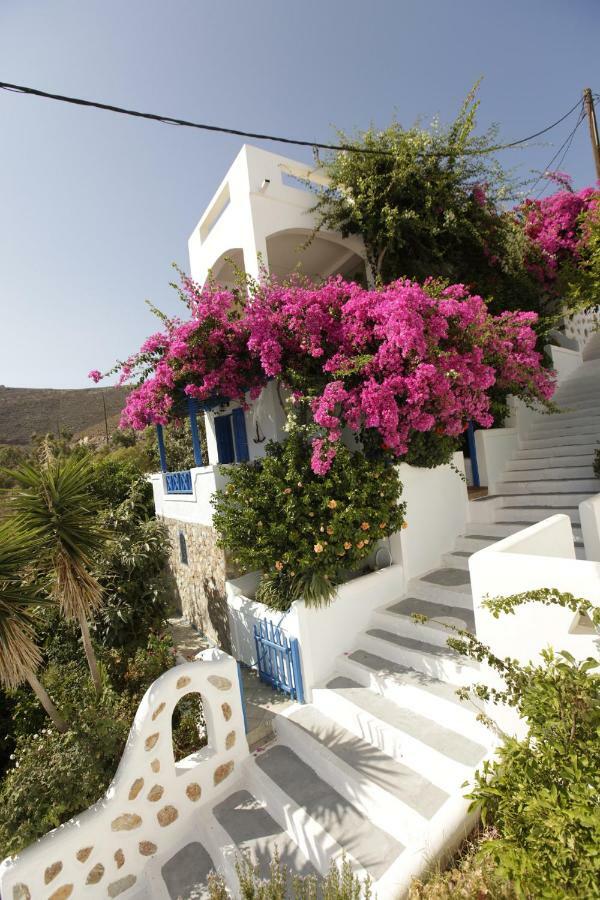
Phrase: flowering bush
{"type": "Point", "coordinates": [306, 529]}
{"type": "Point", "coordinates": [390, 364]}
{"type": "Point", "coordinates": [554, 228]}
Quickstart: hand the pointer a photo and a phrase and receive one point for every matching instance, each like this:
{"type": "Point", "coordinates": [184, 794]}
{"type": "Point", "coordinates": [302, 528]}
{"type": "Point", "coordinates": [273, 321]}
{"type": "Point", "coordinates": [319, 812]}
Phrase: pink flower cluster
{"type": "Point", "coordinates": [553, 226]}
{"type": "Point", "coordinates": [399, 360]}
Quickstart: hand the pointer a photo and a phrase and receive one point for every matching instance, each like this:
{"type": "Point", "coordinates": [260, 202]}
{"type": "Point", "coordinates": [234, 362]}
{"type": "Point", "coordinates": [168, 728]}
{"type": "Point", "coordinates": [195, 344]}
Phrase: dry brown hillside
{"type": "Point", "coordinates": [25, 411]}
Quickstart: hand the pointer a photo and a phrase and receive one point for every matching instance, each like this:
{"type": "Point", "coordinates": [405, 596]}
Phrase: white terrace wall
{"type": "Point", "coordinates": [541, 556]}
{"type": "Point", "coordinates": [122, 841]}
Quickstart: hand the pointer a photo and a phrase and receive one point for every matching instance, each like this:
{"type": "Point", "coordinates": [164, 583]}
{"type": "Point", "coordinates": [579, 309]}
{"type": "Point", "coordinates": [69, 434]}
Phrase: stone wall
{"type": "Point", "coordinates": [198, 569]}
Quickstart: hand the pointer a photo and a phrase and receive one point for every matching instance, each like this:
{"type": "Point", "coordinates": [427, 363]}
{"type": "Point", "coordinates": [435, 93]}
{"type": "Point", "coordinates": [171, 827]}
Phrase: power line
{"type": "Point", "coordinates": [169, 120]}
{"type": "Point", "coordinates": [566, 144]}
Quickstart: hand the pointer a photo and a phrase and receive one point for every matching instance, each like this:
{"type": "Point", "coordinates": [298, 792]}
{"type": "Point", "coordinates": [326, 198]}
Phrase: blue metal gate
{"type": "Point", "coordinates": [278, 659]}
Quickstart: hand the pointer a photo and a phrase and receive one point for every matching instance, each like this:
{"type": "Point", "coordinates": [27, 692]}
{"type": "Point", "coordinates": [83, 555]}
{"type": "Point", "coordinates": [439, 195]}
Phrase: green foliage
{"type": "Point", "coordinates": [339, 883]}
{"type": "Point", "coordinates": [307, 531]}
{"type": "Point", "coordinates": [178, 445]}
{"type": "Point", "coordinates": [428, 449]}
{"type": "Point", "coordinates": [542, 793]}
{"type": "Point", "coordinates": [581, 282]}
{"type": "Point", "coordinates": [10, 457]}
{"type": "Point", "coordinates": [429, 203]}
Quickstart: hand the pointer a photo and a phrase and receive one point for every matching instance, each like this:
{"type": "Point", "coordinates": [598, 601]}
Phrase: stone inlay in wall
{"type": "Point", "coordinates": [226, 711]}
{"type": "Point", "coordinates": [155, 792]}
{"type": "Point", "coordinates": [123, 884]}
{"type": "Point", "coordinates": [150, 742]}
{"type": "Point", "coordinates": [221, 684]}
{"type": "Point", "coordinates": [62, 892]}
{"type": "Point", "coordinates": [126, 822]}
{"type": "Point", "coordinates": [119, 858]}
{"type": "Point", "coordinates": [230, 740]}
{"type": "Point", "coordinates": [135, 788]}
{"type": "Point", "coordinates": [182, 682]}
{"type": "Point", "coordinates": [21, 892]}
{"type": "Point", "coordinates": [194, 791]}
{"type": "Point", "coordinates": [52, 871]}
{"type": "Point", "coordinates": [166, 815]}
{"type": "Point", "coordinates": [158, 711]}
{"type": "Point", "coordinates": [146, 848]}
{"type": "Point", "coordinates": [95, 874]}
{"type": "Point", "coordinates": [222, 771]}
{"type": "Point", "coordinates": [83, 854]}
{"type": "Point", "coordinates": [155, 765]}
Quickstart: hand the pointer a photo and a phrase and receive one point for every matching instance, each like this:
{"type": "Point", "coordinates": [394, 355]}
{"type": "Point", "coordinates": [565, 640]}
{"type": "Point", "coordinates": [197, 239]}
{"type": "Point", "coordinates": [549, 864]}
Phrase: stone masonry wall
{"type": "Point", "coordinates": [199, 580]}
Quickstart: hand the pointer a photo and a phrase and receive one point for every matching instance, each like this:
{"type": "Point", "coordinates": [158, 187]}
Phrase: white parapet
{"type": "Point", "coordinates": [193, 507]}
{"type": "Point", "coordinates": [123, 840]}
{"type": "Point", "coordinates": [589, 516]}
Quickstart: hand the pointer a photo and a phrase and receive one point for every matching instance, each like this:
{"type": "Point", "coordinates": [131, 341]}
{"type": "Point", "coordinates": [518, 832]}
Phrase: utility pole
{"type": "Point", "coordinates": [105, 420]}
{"type": "Point", "coordinates": [588, 102]}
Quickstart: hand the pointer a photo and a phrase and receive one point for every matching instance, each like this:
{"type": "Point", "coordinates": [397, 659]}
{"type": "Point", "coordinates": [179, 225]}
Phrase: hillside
{"type": "Point", "coordinates": [25, 411]}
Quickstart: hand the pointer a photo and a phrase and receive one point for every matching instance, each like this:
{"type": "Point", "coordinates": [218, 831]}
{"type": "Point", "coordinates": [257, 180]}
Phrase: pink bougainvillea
{"type": "Point", "coordinates": [553, 227]}
{"type": "Point", "coordinates": [395, 361]}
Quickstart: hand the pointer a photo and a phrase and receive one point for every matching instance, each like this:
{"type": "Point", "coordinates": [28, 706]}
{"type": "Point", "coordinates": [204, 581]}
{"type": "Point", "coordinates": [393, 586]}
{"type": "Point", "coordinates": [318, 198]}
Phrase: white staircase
{"type": "Point", "coordinates": [375, 766]}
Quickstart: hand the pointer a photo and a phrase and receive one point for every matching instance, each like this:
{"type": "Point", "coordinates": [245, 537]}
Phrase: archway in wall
{"type": "Point", "coordinates": [326, 254]}
{"type": "Point", "coordinates": [225, 269]}
{"type": "Point", "coordinates": [188, 726]}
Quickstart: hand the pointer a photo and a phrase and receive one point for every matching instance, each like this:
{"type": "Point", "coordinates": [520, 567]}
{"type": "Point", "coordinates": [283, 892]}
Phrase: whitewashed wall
{"type": "Point", "coordinates": [123, 840]}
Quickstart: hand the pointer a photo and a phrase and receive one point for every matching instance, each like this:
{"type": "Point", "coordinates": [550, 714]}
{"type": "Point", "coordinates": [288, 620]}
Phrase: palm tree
{"type": "Point", "coordinates": [54, 500]}
{"type": "Point", "coordinates": [20, 656]}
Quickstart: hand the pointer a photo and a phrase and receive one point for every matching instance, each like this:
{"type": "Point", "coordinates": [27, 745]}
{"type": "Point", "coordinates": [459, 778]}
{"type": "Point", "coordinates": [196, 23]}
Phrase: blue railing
{"type": "Point", "coordinates": [179, 482]}
{"type": "Point", "coordinates": [278, 659]}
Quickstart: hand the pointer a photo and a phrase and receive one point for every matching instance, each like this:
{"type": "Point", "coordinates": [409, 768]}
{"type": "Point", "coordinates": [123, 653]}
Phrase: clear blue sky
{"type": "Point", "coordinates": [95, 207]}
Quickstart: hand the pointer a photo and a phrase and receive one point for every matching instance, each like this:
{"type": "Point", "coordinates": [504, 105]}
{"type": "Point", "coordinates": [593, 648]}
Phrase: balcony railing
{"type": "Point", "coordinates": [179, 482]}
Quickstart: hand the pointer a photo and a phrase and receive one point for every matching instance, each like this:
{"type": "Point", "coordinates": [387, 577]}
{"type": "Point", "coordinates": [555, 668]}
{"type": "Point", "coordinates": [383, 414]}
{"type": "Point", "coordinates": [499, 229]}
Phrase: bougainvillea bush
{"type": "Point", "coordinates": [390, 364]}
{"type": "Point", "coordinates": [308, 530]}
{"type": "Point", "coordinates": [556, 232]}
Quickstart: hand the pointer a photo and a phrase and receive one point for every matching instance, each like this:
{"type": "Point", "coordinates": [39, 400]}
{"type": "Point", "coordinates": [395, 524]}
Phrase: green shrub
{"type": "Point", "coordinates": [469, 875]}
{"type": "Point", "coordinates": [428, 449]}
{"type": "Point", "coordinates": [542, 793]}
{"type": "Point", "coordinates": [304, 531]}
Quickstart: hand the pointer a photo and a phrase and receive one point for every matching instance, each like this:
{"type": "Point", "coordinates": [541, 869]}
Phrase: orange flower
{"type": "Point", "coordinates": [329, 529]}
{"type": "Point", "coordinates": [365, 526]}
{"type": "Point", "coordinates": [318, 548]}
{"type": "Point", "coordinates": [360, 545]}
{"type": "Point", "coordinates": [405, 524]}
{"type": "Point", "coordinates": [279, 565]}
{"type": "Point", "coordinates": [332, 504]}
{"type": "Point", "coordinates": [287, 490]}
{"type": "Point", "coordinates": [382, 524]}
{"type": "Point", "coordinates": [347, 545]}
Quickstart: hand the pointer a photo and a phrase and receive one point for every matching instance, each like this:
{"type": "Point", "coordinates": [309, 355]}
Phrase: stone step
{"type": "Point", "coordinates": [530, 514]}
{"type": "Point", "coordinates": [397, 617]}
{"type": "Point", "coordinates": [471, 543]}
{"type": "Point", "coordinates": [419, 692]}
{"type": "Point", "coordinates": [254, 832]}
{"type": "Point", "coordinates": [559, 428]}
{"type": "Point", "coordinates": [556, 486]}
{"type": "Point", "coordinates": [444, 756]}
{"type": "Point", "coordinates": [457, 559]}
{"type": "Point", "coordinates": [575, 409]}
{"type": "Point", "coordinates": [568, 455]}
{"type": "Point", "coordinates": [185, 874]}
{"type": "Point", "coordinates": [387, 792]}
{"type": "Point", "coordinates": [556, 474]}
{"type": "Point", "coordinates": [504, 529]}
{"type": "Point", "coordinates": [459, 595]}
{"type": "Point", "coordinates": [558, 501]}
{"type": "Point", "coordinates": [440, 661]}
{"type": "Point", "coordinates": [551, 465]}
{"type": "Point", "coordinates": [373, 848]}
{"type": "Point", "coordinates": [559, 440]}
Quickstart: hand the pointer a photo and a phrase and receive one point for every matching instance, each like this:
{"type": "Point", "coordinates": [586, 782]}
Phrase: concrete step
{"type": "Point", "coordinates": [387, 792]}
{"type": "Point", "coordinates": [185, 874]}
{"type": "Point", "coordinates": [416, 691]}
{"type": "Point", "coordinates": [457, 559]}
{"type": "Point", "coordinates": [504, 529]}
{"type": "Point", "coordinates": [559, 428]}
{"type": "Point", "coordinates": [252, 829]}
{"type": "Point", "coordinates": [559, 440]}
{"type": "Point", "coordinates": [556, 474]}
{"type": "Point", "coordinates": [397, 617]}
{"type": "Point", "coordinates": [571, 455]}
{"type": "Point", "coordinates": [560, 500]}
{"type": "Point", "coordinates": [442, 755]}
{"type": "Point", "coordinates": [335, 816]}
{"type": "Point", "coordinates": [443, 585]}
{"type": "Point", "coordinates": [555, 486]}
{"type": "Point", "coordinates": [529, 514]}
{"type": "Point", "coordinates": [433, 659]}
{"type": "Point", "coordinates": [550, 465]}
{"type": "Point", "coordinates": [474, 542]}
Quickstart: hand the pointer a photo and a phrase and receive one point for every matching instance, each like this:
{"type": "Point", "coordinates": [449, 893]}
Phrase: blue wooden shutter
{"type": "Point", "coordinates": [240, 437]}
{"type": "Point", "coordinates": [224, 438]}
